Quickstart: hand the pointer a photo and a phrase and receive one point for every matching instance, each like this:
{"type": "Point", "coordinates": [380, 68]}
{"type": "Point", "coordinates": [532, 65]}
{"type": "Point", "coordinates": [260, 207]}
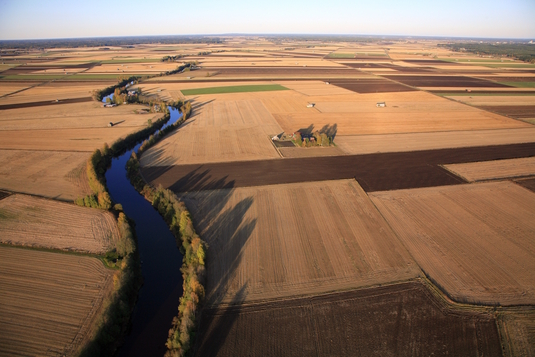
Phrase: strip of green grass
{"type": "Point", "coordinates": [341, 55]}
{"type": "Point", "coordinates": [234, 89]}
{"type": "Point", "coordinates": [469, 94]}
{"type": "Point", "coordinates": [520, 84]}
{"type": "Point", "coordinates": [510, 65]}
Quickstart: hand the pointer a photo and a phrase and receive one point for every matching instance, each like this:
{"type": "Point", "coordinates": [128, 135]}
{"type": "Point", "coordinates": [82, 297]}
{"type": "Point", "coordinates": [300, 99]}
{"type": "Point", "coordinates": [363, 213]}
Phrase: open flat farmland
{"type": "Point", "coordinates": [474, 241]}
{"type": "Point", "coordinates": [49, 301]}
{"type": "Point", "coordinates": [54, 174]}
{"type": "Point", "coordinates": [310, 152]}
{"type": "Point", "coordinates": [371, 85]}
{"type": "Point", "coordinates": [284, 240]}
{"type": "Point", "coordinates": [38, 222]}
{"type": "Point", "coordinates": [490, 170]}
{"type": "Point", "coordinates": [62, 139]}
{"type": "Point", "coordinates": [75, 115]}
{"type": "Point", "coordinates": [53, 91]}
{"type": "Point", "coordinates": [234, 89]}
{"type": "Point", "coordinates": [395, 320]}
{"type": "Point", "coordinates": [367, 144]}
{"type": "Point", "coordinates": [218, 131]}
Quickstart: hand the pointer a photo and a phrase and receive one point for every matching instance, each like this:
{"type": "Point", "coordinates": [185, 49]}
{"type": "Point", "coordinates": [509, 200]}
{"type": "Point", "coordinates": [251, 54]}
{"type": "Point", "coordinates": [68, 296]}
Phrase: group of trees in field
{"type": "Point", "coordinates": [522, 51]}
{"type": "Point", "coordinates": [308, 137]}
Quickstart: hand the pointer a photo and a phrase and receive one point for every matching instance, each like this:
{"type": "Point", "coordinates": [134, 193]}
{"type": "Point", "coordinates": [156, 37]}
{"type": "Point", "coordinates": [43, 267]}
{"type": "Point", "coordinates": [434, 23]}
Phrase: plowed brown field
{"type": "Point", "coordinates": [518, 332]}
{"type": "Point", "coordinates": [38, 222]}
{"type": "Point", "coordinates": [397, 320]}
{"type": "Point", "coordinates": [285, 240]}
{"type": "Point", "coordinates": [475, 241]}
{"type": "Point", "coordinates": [48, 301]}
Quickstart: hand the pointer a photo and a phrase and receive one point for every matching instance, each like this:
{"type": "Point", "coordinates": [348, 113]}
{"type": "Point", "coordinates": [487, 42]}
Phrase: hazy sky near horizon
{"type": "Point", "coordinates": [27, 19]}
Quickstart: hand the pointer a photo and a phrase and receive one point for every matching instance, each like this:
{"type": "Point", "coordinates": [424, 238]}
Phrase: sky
{"type": "Point", "coordinates": [27, 19]}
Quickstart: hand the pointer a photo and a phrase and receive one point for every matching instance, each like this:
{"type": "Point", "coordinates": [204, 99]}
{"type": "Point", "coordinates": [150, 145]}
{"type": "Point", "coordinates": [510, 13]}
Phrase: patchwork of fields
{"type": "Point", "coordinates": [340, 246]}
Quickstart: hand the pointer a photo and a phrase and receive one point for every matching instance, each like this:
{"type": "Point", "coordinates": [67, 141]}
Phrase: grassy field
{"type": "Point", "coordinates": [234, 89]}
{"type": "Point", "coordinates": [37, 222]}
{"type": "Point", "coordinates": [341, 55]}
{"type": "Point", "coordinates": [520, 84]}
{"type": "Point", "coordinates": [474, 241]}
{"type": "Point", "coordinates": [49, 301]}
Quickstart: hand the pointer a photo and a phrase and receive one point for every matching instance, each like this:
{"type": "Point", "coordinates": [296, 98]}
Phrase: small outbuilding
{"type": "Point", "coordinates": [110, 124]}
{"type": "Point", "coordinates": [311, 105]}
{"type": "Point", "coordinates": [381, 104]}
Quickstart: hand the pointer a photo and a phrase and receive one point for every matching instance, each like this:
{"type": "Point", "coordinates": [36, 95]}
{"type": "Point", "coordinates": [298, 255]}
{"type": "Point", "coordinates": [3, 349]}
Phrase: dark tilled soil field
{"type": "Point", "coordinates": [510, 79]}
{"type": "Point", "coordinates": [371, 85]}
{"type": "Point", "coordinates": [280, 71]}
{"type": "Point", "coordinates": [43, 103]}
{"type": "Point", "coordinates": [398, 320]}
{"type": "Point", "coordinates": [4, 194]}
{"type": "Point", "coordinates": [374, 172]}
{"type": "Point", "coordinates": [430, 62]}
{"type": "Point", "coordinates": [445, 81]}
{"type": "Point", "coordinates": [361, 65]}
{"type": "Point", "coordinates": [527, 183]}
{"type": "Point", "coordinates": [514, 111]}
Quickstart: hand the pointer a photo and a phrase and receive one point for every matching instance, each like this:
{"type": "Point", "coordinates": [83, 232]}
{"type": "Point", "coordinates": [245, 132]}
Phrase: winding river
{"type": "Point", "coordinates": [161, 261]}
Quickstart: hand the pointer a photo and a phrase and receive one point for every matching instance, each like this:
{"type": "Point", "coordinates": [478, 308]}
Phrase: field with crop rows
{"type": "Point", "coordinates": [294, 239]}
{"type": "Point", "coordinates": [475, 241]}
{"type": "Point", "coordinates": [38, 222]}
{"type": "Point", "coordinates": [49, 301]}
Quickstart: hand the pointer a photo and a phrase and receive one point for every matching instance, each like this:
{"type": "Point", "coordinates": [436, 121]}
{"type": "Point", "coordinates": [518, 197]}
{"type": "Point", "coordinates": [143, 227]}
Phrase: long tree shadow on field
{"type": "Point", "coordinates": [215, 325]}
{"type": "Point", "coordinates": [226, 228]}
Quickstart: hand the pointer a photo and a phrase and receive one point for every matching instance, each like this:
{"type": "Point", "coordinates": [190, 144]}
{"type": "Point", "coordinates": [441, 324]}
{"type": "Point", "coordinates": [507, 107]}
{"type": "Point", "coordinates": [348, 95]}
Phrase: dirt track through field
{"type": "Point", "coordinates": [44, 103]}
{"type": "Point", "coordinates": [374, 172]}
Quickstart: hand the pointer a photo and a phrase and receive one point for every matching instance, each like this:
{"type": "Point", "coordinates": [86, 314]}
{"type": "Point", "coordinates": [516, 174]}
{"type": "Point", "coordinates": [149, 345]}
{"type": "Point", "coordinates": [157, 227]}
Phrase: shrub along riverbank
{"type": "Point", "coordinates": [175, 213]}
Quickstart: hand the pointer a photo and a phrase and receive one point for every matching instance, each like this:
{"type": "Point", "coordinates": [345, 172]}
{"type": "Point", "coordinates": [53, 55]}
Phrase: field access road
{"type": "Point", "coordinates": [374, 172]}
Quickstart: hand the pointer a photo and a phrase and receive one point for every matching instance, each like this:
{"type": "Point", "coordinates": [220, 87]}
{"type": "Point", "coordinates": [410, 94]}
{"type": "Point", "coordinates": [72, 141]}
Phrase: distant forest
{"type": "Point", "coordinates": [105, 41]}
{"type": "Point", "coordinates": [522, 51]}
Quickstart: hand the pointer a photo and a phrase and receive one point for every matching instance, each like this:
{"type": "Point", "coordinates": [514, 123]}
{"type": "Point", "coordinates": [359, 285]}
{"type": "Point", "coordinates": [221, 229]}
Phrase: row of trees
{"type": "Point", "coordinates": [522, 51]}
{"type": "Point", "coordinates": [176, 215]}
{"type": "Point", "coordinates": [112, 323]}
{"type": "Point", "coordinates": [193, 248]}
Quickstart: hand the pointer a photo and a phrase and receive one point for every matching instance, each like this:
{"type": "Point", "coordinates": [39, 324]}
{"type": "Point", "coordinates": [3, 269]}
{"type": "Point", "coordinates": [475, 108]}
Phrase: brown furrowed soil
{"type": "Point", "coordinates": [49, 301]}
{"type": "Point", "coordinates": [285, 240]}
{"type": "Point", "coordinates": [444, 81]}
{"type": "Point", "coordinates": [371, 86]}
{"type": "Point", "coordinates": [491, 170]}
{"type": "Point", "coordinates": [310, 152]}
{"type": "Point", "coordinates": [517, 329]}
{"type": "Point", "coordinates": [474, 241]}
{"type": "Point", "coordinates": [374, 172]}
{"type": "Point", "coordinates": [54, 174]}
{"type": "Point", "coordinates": [515, 111]}
{"type": "Point", "coordinates": [396, 320]}
{"type": "Point", "coordinates": [527, 183]}
{"type": "Point", "coordinates": [38, 222]}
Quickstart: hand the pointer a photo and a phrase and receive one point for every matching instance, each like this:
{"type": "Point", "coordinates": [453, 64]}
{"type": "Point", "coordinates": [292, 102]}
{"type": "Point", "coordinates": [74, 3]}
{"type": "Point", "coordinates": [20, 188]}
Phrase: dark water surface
{"type": "Point", "coordinates": [161, 261]}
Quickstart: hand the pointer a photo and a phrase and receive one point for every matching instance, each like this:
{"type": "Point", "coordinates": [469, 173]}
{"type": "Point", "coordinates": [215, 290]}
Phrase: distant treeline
{"type": "Point", "coordinates": [107, 41]}
{"type": "Point", "coordinates": [522, 51]}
